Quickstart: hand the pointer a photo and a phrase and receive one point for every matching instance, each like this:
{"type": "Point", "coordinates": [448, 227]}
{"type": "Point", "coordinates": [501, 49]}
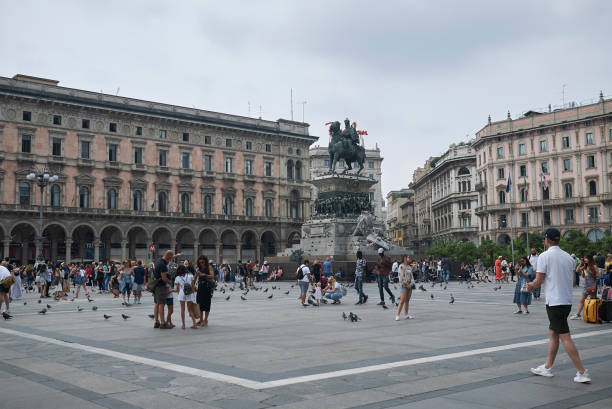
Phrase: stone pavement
{"type": "Point", "coordinates": [262, 353]}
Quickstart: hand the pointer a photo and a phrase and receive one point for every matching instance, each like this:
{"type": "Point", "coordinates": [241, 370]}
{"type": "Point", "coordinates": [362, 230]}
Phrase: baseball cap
{"type": "Point", "coordinates": [552, 234]}
{"type": "Point", "coordinates": [381, 250]}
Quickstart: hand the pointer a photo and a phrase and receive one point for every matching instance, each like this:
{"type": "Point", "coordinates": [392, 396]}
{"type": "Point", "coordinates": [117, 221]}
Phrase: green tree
{"type": "Point", "coordinates": [604, 246]}
{"type": "Point", "coordinates": [577, 243]}
{"type": "Point", "coordinates": [487, 252]}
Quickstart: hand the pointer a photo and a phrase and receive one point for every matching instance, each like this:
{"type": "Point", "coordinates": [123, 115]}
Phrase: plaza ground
{"type": "Point", "coordinates": [262, 353]}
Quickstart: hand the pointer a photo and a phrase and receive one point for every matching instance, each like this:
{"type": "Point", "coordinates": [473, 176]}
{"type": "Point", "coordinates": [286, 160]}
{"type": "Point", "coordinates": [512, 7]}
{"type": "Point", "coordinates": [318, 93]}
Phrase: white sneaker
{"type": "Point", "coordinates": [542, 371]}
{"type": "Point", "coordinates": [582, 378]}
{"type": "Point", "coordinates": [408, 317]}
{"type": "Point", "coordinates": [397, 318]}
{"type": "Point", "coordinates": [575, 317]}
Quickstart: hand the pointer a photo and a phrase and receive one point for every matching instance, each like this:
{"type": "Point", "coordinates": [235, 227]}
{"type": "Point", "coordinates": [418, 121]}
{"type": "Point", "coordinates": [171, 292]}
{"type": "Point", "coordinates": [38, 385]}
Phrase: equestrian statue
{"type": "Point", "coordinates": [345, 145]}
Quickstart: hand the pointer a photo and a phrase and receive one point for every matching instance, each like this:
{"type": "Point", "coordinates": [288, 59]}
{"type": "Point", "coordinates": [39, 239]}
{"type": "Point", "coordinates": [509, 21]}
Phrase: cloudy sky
{"type": "Point", "coordinates": [417, 75]}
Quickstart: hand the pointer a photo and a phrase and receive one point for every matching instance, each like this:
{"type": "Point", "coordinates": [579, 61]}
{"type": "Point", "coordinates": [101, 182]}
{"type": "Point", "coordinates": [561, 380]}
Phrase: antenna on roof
{"type": "Point", "coordinates": [249, 103]}
{"type": "Point", "coordinates": [260, 112]}
{"type": "Point", "coordinates": [117, 93]}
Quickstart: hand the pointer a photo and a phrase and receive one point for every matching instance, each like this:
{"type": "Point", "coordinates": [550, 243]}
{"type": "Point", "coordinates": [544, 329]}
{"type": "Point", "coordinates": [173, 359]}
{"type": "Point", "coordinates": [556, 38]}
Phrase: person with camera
{"type": "Point", "coordinates": [590, 274]}
{"type": "Point", "coordinates": [206, 286]}
{"type": "Point", "coordinates": [185, 282]}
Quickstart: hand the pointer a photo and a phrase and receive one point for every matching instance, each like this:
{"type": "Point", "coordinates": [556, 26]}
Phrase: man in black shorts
{"type": "Point", "coordinates": [555, 270]}
{"type": "Point", "coordinates": [160, 293]}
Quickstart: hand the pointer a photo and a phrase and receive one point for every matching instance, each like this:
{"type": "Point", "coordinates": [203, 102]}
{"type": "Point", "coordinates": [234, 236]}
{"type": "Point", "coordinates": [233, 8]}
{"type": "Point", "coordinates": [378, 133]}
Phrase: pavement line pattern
{"type": "Point", "coordinates": [256, 385]}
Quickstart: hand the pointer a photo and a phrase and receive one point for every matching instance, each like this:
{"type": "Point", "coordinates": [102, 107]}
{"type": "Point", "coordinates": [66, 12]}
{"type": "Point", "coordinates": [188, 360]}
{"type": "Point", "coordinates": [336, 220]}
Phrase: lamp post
{"type": "Point", "coordinates": [42, 177]}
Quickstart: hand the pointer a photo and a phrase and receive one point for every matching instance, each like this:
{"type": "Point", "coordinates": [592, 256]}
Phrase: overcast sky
{"type": "Point", "coordinates": [417, 75]}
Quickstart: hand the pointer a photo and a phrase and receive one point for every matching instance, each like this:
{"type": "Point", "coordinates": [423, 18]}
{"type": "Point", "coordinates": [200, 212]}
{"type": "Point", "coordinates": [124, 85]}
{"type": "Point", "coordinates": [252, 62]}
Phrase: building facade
{"type": "Point", "coordinates": [400, 223]}
{"type": "Point", "coordinates": [136, 176]}
{"type": "Point", "coordinates": [319, 164]}
{"type": "Point", "coordinates": [568, 150]}
{"type": "Point", "coordinates": [445, 196]}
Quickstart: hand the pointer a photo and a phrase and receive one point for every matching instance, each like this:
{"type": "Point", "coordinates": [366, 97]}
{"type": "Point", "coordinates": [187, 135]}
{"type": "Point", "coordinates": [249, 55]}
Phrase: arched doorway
{"type": "Point", "coordinates": [110, 243]}
{"type": "Point", "coordinates": [595, 235]}
{"type": "Point", "coordinates": [208, 243]}
{"type": "Point", "coordinates": [268, 245]}
{"type": "Point", "coordinates": [229, 239]}
{"type": "Point", "coordinates": [185, 240]}
{"type": "Point", "coordinates": [248, 246]}
{"type": "Point", "coordinates": [293, 239]}
{"type": "Point", "coordinates": [82, 248]}
{"type": "Point", "coordinates": [137, 242]}
{"type": "Point", "coordinates": [22, 249]}
{"type": "Point", "coordinates": [503, 239]}
{"type": "Point", "coordinates": [54, 243]}
{"type": "Point", "coordinates": [162, 239]}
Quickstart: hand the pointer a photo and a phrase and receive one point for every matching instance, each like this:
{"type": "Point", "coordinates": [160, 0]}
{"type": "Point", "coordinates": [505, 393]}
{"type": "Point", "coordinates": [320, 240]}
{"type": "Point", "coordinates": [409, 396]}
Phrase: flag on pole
{"type": "Point", "coordinates": [525, 186]}
{"type": "Point", "coordinates": [508, 185]}
{"type": "Point", "coordinates": [544, 181]}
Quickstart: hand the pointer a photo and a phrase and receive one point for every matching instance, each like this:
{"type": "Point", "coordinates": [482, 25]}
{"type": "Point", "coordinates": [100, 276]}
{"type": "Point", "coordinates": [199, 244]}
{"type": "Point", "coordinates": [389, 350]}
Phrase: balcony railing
{"type": "Point", "coordinates": [480, 186]}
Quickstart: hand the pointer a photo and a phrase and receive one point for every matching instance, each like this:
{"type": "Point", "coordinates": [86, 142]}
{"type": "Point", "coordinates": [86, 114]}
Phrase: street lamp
{"type": "Point", "coordinates": [42, 178]}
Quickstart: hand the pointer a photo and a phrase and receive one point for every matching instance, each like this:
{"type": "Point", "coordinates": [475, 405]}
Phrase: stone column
{"type": "Point", "coordinates": [96, 250]}
{"type": "Point", "coordinates": [218, 254]}
{"type": "Point", "coordinates": [53, 249]}
{"type": "Point", "coordinates": [68, 251]}
{"type": "Point", "coordinates": [257, 252]}
{"type": "Point", "coordinates": [173, 245]}
{"type": "Point", "coordinates": [196, 251]}
{"type": "Point", "coordinates": [123, 250]}
{"type": "Point", "coordinates": [238, 252]}
{"type": "Point", "coordinates": [6, 244]}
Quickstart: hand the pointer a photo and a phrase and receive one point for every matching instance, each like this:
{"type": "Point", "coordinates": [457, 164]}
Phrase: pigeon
{"type": "Point", "coordinates": [242, 298]}
{"type": "Point", "coordinates": [125, 317]}
{"type": "Point", "coordinates": [432, 297]}
{"type": "Point", "coordinates": [270, 296]}
{"type": "Point", "coordinates": [395, 287]}
{"type": "Point", "coordinates": [107, 316]}
{"type": "Point", "coordinates": [25, 303]}
{"type": "Point", "coordinates": [39, 301]}
{"type": "Point", "coordinates": [94, 308]}
{"type": "Point", "coordinates": [286, 292]}
{"type": "Point", "coordinates": [354, 317]}
{"type": "Point", "coordinates": [292, 285]}
{"type": "Point", "coordinates": [323, 300]}
{"type": "Point", "coordinates": [43, 311]}
{"type": "Point", "coordinates": [227, 298]}
{"type": "Point", "coordinates": [385, 307]}
{"type": "Point", "coordinates": [79, 309]}
{"type": "Point", "coordinates": [266, 290]}
{"type": "Point", "coordinates": [422, 288]}
{"type": "Point", "coordinates": [344, 316]}
{"type": "Point", "coordinates": [72, 299]}
{"type": "Point", "coordinates": [310, 302]}
{"type": "Point", "coordinates": [445, 287]}
{"type": "Point", "coordinates": [274, 287]}
{"type": "Point", "coordinates": [89, 299]}
{"type": "Point", "coordinates": [48, 307]}
{"type": "Point", "coordinates": [6, 315]}
{"type": "Point", "coordinates": [452, 300]}
{"type": "Point", "coordinates": [151, 316]}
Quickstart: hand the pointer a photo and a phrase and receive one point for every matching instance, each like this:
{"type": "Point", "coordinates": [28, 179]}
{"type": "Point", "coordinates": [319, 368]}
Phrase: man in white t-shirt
{"type": "Point", "coordinates": [533, 260]}
{"type": "Point", "coordinates": [304, 280]}
{"type": "Point", "coordinates": [4, 292]}
{"type": "Point", "coordinates": [555, 270]}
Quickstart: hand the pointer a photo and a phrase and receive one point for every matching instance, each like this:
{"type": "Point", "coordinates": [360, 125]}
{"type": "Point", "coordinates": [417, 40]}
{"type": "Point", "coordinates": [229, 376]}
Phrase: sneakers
{"type": "Point", "coordinates": [409, 317]}
{"type": "Point", "coordinates": [359, 303]}
{"type": "Point", "coordinates": [365, 298]}
{"type": "Point", "coordinates": [156, 325]}
{"type": "Point", "coordinates": [518, 312]}
{"type": "Point", "coordinates": [542, 371]}
{"type": "Point", "coordinates": [526, 312]}
{"type": "Point", "coordinates": [582, 378]}
{"type": "Point", "coordinates": [381, 303]}
{"type": "Point", "coordinates": [575, 317]}
{"type": "Point", "coordinates": [397, 318]}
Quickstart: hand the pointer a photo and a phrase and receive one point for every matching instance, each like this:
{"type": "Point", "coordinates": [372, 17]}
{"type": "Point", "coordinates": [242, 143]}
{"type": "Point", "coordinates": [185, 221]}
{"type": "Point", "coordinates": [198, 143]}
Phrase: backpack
{"type": "Point", "coordinates": [300, 273]}
{"type": "Point", "coordinates": [187, 288]}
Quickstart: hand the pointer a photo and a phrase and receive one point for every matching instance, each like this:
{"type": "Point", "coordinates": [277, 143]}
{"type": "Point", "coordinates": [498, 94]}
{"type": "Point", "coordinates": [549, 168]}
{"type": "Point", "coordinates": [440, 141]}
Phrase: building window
{"type": "Point", "coordinates": [112, 127]}
{"type": "Point", "coordinates": [185, 160]}
{"type": "Point", "coordinates": [207, 139]}
{"type": "Point", "coordinates": [208, 163]}
{"type": "Point", "coordinates": [248, 166]}
{"type": "Point", "coordinates": [592, 188]}
{"type": "Point", "coordinates": [567, 188]}
{"type": "Point", "coordinates": [298, 152]}
{"type": "Point", "coordinates": [84, 149]}
{"type": "Point", "coordinates": [590, 161]}
{"type": "Point", "coordinates": [85, 123]}
{"type": "Point", "coordinates": [326, 163]}
{"type": "Point", "coordinates": [565, 142]}
{"type": "Point", "coordinates": [185, 136]}
{"type": "Point", "coordinates": [228, 143]}
{"type": "Point", "coordinates": [268, 208]}
{"type": "Point", "coordinates": [523, 170]}
{"type": "Point", "coordinates": [522, 149]}
{"type": "Point", "coordinates": [268, 168]}
{"type": "Point", "coordinates": [340, 163]}
{"type": "Point", "coordinates": [543, 146]}
{"type": "Point", "coordinates": [545, 194]}
{"type": "Point", "coordinates": [55, 195]}
{"type": "Point", "coordinates": [502, 221]}
{"type": "Point", "coordinates": [567, 165]}
{"type": "Point", "coordinates": [248, 207]}
{"type": "Point", "coordinates": [501, 196]}
{"type": "Point", "coordinates": [57, 119]}
{"type": "Point", "coordinates": [139, 131]}
{"type": "Point", "coordinates": [290, 150]}
{"type": "Point", "coordinates": [137, 196]}
{"type": "Point", "coordinates": [524, 219]}
{"type": "Point", "coordinates": [84, 197]}
{"type": "Point", "coordinates": [163, 156]}
{"type": "Point", "coordinates": [56, 147]}
{"type": "Point", "coordinates": [162, 201]}
{"type": "Point", "coordinates": [111, 199]}
{"type": "Point", "coordinates": [547, 218]}
{"type": "Point", "coordinates": [370, 165]}
{"type": "Point", "coordinates": [26, 116]}
{"type": "Point", "coordinates": [228, 164]}
{"type": "Point", "coordinates": [593, 214]}
{"type": "Point", "coordinates": [26, 143]}
{"type": "Point", "coordinates": [185, 202]}
{"type": "Point", "coordinates": [289, 169]}
{"type": "Point", "coordinates": [138, 156]}
{"type": "Point", "coordinates": [207, 204]}
{"type": "Point", "coordinates": [371, 197]}
{"type": "Point", "coordinates": [24, 193]}
{"type": "Point", "coordinates": [500, 152]}
{"type": "Point", "coordinates": [298, 170]}
{"type": "Point", "coordinates": [113, 149]}
{"type": "Point", "coordinates": [569, 216]}
{"type": "Point", "coordinates": [228, 206]}
{"type": "Point", "coordinates": [544, 167]}
{"type": "Point", "coordinates": [268, 147]}
{"type": "Point", "coordinates": [371, 176]}
{"type": "Point", "coordinates": [293, 204]}
{"type": "Point", "coordinates": [589, 138]}
{"type": "Point", "coordinates": [524, 197]}
{"type": "Point", "coordinates": [162, 134]}
{"type": "Point", "coordinates": [249, 145]}
{"type": "Point", "coordinates": [501, 173]}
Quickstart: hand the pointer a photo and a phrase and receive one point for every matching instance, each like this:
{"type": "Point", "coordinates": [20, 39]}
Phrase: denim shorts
{"type": "Point", "coordinates": [304, 288]}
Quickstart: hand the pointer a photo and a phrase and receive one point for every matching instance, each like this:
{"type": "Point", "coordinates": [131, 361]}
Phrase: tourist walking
{"type": "Point", "coordinates": [498, 270]}
{"type": "Point", "coordinates": [79, 281]}
{"type": "Point", "coordinates": [405, 277]}
{"type": "Point", "coordinates": [4, 290]}
{"type": "Point", "coordinates": [360, 269]}
{"type": "Point", "coordinates": [161, 277]}
{"type": "Point", "coordinates": [139, 281]}
{"type": "Point", "coordinates": [206, 286]}
{"type": "Point", "coordinates": [383, 268]}
{"type": "Point", "coordinates": [304, 280]}
{"type": "Point", "coordinates": [522, 296]}
{"type": "Point", "coordinates": [590, 274]}
{"type": "Point", "coordinates": [555, 271]}
{"type": "Point", "coordinates": [126, 282]}
{"type": "Point", "coordinates": [185, 288]}
{"type": "Point", "coordinates": [327, 267]}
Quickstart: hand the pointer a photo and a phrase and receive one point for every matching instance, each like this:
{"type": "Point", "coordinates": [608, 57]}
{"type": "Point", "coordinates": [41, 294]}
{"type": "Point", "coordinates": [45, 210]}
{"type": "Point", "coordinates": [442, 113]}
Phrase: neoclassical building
{"type": "Point", "coordinates": [569, 150]}
{"type": "Point", "coordinates": [445, 199]}
{"type": "Point", "coordinates": [136, 175]}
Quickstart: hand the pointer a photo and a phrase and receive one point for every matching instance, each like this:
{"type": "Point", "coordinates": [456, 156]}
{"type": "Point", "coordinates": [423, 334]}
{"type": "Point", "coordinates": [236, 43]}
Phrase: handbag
{"type": "Point", "coordinates": [8, 281]}
{"type": "Point", "coordinates": [592, 290]}
{"type": "Point", "coordinates": [151, 284]}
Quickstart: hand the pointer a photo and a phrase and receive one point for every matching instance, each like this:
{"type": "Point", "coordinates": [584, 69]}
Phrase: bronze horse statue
{"type": "Point", "coordinates": [344, 145]}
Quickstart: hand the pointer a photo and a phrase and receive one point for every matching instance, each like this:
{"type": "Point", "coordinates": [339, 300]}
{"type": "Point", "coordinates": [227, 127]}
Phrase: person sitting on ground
{"type": "Point", "coordinates": [333, 291]}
